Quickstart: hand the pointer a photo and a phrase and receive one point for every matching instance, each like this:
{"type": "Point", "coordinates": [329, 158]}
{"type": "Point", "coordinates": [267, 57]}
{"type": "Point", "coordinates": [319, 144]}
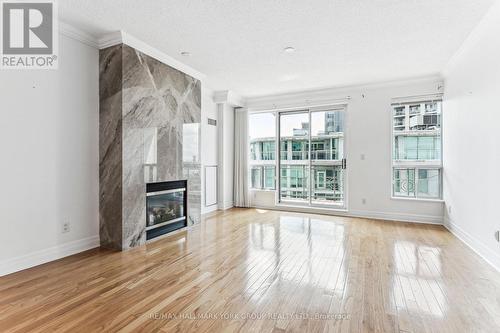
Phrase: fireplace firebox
{"type": "Point", "coordinates": [166, 207]}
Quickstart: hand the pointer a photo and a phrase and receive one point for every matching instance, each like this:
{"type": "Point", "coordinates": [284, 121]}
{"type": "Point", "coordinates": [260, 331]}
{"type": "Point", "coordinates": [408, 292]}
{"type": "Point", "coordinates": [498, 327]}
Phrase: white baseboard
{"type": "Point", "coordinates": [227, 206]}
{"type": "Point", "coordinates": [50, 254]}
{"type": "Point", "coordinates": [206, 210]}
{"type": "Point", "coordinates": [400, 217]}
{"type": "Point", "coordinates": [474, 244]}
{"type": "Point", "coordinates": [413, 218]}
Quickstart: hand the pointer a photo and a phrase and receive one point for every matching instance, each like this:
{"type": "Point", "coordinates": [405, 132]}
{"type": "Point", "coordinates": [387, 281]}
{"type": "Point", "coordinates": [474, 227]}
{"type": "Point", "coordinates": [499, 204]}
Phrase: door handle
{"type": "Point", "coordinates": [344, 163]}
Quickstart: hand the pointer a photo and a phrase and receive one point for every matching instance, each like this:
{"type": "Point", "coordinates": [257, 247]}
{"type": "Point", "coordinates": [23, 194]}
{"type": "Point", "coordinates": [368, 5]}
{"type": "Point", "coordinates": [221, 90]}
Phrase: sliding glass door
{"type": "Point", "coordinates": [312, 161]}
{"type": "Point", "coordinates": [294, 156]}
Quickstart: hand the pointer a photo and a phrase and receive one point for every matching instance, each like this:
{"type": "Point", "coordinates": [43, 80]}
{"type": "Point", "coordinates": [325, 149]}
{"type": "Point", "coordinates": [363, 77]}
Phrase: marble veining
{"type": "Point", "coordinates": [110, 147]}
{"type": "Point", "coordinates": [159, 118]}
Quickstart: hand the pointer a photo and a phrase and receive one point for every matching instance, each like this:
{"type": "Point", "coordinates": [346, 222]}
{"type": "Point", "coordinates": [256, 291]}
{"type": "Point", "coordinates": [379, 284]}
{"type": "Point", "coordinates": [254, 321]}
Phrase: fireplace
{"type": "Point", "coordinates": [166, 207]}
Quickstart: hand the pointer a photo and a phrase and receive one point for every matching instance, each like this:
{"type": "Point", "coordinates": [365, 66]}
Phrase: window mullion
{"type": "Point", "coordinates": [309, 182]}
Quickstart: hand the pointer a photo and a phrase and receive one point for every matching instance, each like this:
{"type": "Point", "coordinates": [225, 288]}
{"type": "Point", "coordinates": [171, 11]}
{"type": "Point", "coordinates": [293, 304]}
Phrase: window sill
{"type": "Point", "coordinates": [316, 208]}
{"type": "Point", "coordinates": [261, 190]}
{"type": "Point", "coordinates": [417, 199]}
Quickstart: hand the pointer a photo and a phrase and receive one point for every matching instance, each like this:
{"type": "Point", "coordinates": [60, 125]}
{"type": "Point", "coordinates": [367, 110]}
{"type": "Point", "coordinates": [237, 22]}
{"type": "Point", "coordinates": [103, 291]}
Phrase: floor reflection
{"type": "Point", "coordinates": [417, 285]}
{"type": "Point", "coordinates": [296, 252]}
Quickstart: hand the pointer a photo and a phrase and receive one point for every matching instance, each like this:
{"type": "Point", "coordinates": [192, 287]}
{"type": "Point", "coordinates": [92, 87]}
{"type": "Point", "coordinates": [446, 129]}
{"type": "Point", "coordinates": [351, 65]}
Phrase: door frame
{"type": "Point", "coordinates": [309, 204]}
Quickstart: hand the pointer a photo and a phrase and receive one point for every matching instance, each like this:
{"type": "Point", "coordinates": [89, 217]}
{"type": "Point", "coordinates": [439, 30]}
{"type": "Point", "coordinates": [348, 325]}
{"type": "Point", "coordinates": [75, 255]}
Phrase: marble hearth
{"type": "Point", "coordinates": [149, 132]}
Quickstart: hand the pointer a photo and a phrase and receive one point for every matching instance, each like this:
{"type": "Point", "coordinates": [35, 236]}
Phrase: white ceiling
{"type": "Point", "coordinates": [238, 43]}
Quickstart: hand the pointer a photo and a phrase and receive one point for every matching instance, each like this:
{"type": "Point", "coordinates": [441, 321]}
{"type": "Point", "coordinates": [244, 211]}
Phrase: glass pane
{"type": "Point", "coordinates": [418, 148]}
{"type": "Point", "coordinates": [327, 135]}
{"type": "Point", "coordinates": [269, 177]}
{"type": "Point", "coordinates": [429, 183]}
{"type": "Point", "coordinates": [328, 184]}
{"type": "Point", "coordinates": [262, 133]}
{"type": "Point", "coordinates": [256, 177]}
{"type": "Point", "coordinates": [294, 183]}
{"type": "Point", "coordinates": [164, 207]}
{"type": "Point", "coordinates": [417, 137]}
{"type": "Point", "coordinates": [294, 136]}
{"type": "Point", "coordinates": [294, 152]}
{"type": "Point", "coordinates": [404, 182]}
{"type": "Point", "coordinates": [399, 118]}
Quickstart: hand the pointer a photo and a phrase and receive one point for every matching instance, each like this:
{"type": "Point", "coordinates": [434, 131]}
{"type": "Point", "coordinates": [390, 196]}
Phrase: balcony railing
{"type": "Point", "coordinates": [325, 154]}
{"type": "Point", "coordinates": [267, 156]}
{"type": "Point", "coordinates": [418, 154]}
{"type": "Point", "coordinates": [320, 154]}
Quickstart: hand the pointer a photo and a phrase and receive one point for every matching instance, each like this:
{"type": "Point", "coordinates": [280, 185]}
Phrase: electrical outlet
{"type": "Point", "coordinates": [449, 209]}
{"type": "Point", "coordinates": [363, 201]}
{"type": "Point", "coordinates": [65, 227]}
{"type": "Point", "coordinates": [497, 236]}
{"type": "Point", "coordinates": [362, 157]}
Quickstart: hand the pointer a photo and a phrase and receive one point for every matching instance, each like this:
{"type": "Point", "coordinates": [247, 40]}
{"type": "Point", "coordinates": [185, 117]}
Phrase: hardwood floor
{"type": "Point", "coordinates": [264, 271]}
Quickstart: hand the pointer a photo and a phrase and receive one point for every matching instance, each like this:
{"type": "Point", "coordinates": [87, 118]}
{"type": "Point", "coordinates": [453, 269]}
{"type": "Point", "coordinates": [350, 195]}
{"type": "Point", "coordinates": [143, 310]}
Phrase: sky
{"type": "Point", "coordinates": [263, 125]}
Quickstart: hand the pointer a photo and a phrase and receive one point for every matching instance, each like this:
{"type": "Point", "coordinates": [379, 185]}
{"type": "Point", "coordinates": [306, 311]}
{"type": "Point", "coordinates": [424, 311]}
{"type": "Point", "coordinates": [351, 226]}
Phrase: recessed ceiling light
{"type": "Point", "coordinates": [185, 54]}
{"type": "Point", "coordinates": [289, 49]}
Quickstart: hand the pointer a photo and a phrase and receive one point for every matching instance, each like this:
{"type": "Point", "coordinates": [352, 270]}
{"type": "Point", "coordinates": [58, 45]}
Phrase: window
{"type": "Point", "coordinates": [262, 164]}
{"type": "Point", "coordinates": [306, 157]}
{"type": "Point", "coordinates": [256, 177]}
{"type": "Point", "coordinates": [416, 147]}
{"type": "Point", "coordinates": [320, 179]}
{"type": "Point", "coordinates": [269, 177]}
{"type": "Point", "coordinates": [311, 156]}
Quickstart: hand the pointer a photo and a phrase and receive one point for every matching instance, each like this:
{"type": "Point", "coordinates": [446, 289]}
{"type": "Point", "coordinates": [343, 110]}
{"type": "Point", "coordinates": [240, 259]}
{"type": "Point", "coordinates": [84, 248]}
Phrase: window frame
{"type": "Point", "coordinates": [323, 182]}
{"type": "Point", "coordinates": [310, 203]}
{"type": "Point", "coordinates": [264, 162]}
{"type": "Point", "coordinates": [416, 165]}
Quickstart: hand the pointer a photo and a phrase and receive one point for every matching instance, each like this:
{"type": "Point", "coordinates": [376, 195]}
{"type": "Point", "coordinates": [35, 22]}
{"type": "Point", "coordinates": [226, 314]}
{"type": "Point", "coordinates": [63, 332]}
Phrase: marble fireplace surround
{"type": "Point", "coordinates": [149, 132]}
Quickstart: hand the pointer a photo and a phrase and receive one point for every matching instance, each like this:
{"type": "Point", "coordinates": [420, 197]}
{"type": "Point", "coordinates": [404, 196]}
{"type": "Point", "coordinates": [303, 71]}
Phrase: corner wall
{"type": "Point", "coordinates": [209, 144]}
{"type": "Point", "coordinates": [49, 142]}
{"type": "Point", "coordinates": [472, 139]}
{"type": "Point", "coordinates": [368, 148]}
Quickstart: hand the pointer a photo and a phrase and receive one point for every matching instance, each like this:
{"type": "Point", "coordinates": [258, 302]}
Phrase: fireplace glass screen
{"type": "Point", "coordinates": [165, 207]}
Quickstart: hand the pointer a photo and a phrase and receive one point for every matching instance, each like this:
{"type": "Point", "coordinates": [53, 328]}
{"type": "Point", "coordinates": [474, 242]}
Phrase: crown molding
{"type": "Point", "coordinates": [70, 31]}
{"type": "Point", "coordinates": [472, 39]}
{"type": "Point", "coordinates": [229, 97]}
{"type": "Point", "coordinates": [121, 37]}
{"type": "Point", "coordinates": [331, 95]}
{"type": "Point", "coordinates": [113, 38]}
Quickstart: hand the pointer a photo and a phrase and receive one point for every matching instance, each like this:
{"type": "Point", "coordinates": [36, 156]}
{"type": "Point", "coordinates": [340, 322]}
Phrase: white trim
{"type": "Point", "coordinates": [416, 164]}
{"type": "Point", "coordinates": [330, 95]}
{"type": "Point", "coordinates": [229, 97]}
{"type": "Point", "coordinates": [113, 38]}
{"type": "Point", "coordinates": [209, 209]}
{"type": "Point", "coordinates": [50, 254]}
{"type": "Point", "coordinates": [398, 217]}
{"type": "Point", "coordinates": [70, 31]}
{"type": "Point", "coordinates": [345, 136]}
{"type": "Point", "coordinates": [121, 37]}
{"type": "Point", "coordinates": [417, 199]}
{"type": "Point", "coordinates": [492, 258]}
{"type": "Point", "coordinates": [227, 206]}
{"type": "Point", "coordinates": [401, 100]}
{"type": "Point", "coordinates": [220, 155]}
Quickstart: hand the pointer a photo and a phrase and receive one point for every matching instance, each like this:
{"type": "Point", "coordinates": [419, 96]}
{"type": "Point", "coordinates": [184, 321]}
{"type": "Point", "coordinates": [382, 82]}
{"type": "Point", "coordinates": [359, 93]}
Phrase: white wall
{"type": "Point", "coordinates": [49, 159]}
{"type": "Point", "coordinates": [209, 145]}
{"type": "Point", "coordinates": [225, 154]}
{"type": "Point", "coordinates": [369, 134]}
{"type": "Point", "coordinates": [472, 139]}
